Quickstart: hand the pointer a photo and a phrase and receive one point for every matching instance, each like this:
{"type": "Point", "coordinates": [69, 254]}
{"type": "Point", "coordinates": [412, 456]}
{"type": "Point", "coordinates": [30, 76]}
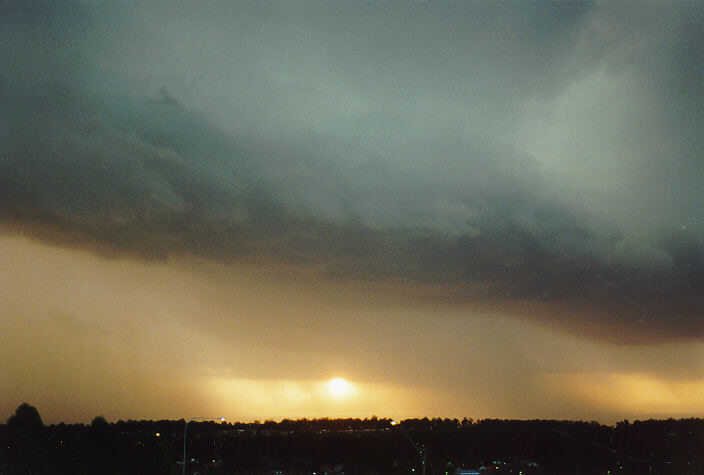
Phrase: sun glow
{"type": "Point", "coordinates": [339, 387]}
{"type": "Point", "coordinates": [251, 399]}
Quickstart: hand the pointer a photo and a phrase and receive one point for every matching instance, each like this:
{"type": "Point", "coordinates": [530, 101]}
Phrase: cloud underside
{"type": "Point", "coordinates": [571, 196]}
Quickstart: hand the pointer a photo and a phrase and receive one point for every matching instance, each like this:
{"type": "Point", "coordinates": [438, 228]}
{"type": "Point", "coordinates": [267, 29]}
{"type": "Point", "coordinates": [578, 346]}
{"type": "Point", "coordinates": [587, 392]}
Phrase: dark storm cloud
{"type": "Point", "coordinates": [544, 157]}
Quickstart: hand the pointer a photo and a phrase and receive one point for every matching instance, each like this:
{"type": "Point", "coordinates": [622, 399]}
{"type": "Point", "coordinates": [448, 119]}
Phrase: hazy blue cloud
{"type": "Point", "coordinates": [546, 153]}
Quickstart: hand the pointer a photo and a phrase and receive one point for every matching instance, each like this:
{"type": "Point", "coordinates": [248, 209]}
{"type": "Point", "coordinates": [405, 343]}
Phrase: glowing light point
{"type": "Point", "coordinates": [338, 387]}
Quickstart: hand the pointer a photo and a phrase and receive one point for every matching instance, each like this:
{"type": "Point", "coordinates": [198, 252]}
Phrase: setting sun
{"type": "Point", "coordinates": [339, 387]}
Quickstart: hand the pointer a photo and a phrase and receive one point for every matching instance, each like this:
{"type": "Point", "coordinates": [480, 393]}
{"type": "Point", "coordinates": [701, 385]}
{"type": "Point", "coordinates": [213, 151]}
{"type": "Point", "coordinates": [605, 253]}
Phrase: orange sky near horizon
{"type": "Point", "coordinates": [82, 335]}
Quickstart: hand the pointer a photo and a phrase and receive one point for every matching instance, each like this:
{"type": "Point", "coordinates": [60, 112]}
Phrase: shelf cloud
{"type": "Point", "coordinates": [544, 160]}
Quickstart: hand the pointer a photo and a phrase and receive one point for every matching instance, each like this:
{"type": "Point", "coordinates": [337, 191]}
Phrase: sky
{"type": "Point", "coordinates": [463, 209]}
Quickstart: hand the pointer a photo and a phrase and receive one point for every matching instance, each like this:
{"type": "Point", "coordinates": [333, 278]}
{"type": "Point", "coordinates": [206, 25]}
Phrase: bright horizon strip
{"type": "Point", "coordinates": [295, 399]}
{"type": "Point", "coordinates": [643, 395]}
{"type": "Point", "coordinates": [171, 339]}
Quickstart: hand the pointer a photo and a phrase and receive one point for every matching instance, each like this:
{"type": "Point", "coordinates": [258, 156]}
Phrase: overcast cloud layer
{"type": "Point", "coordinates": [545, 159]}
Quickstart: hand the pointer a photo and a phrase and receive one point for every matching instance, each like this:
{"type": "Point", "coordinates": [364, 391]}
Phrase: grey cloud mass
{"type": "Point", "coordinates": [542, 157]}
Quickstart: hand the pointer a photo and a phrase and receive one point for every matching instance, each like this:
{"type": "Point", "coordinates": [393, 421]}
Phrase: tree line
{"type": "Point", "coordinates": [351, 446]}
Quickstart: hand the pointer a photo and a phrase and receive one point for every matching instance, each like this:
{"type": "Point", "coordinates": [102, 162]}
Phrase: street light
{"type": "Point", "coordinates": [419, 448]}
{"type": "Point", "coordinates": [185, 428]}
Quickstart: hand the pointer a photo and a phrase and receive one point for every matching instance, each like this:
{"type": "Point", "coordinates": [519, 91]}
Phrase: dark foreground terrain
{"type": "Point", "coordinates": [351, 446]}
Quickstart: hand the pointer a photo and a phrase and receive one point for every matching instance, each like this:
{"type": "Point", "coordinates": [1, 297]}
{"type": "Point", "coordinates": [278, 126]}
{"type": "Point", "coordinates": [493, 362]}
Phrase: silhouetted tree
{"type": "Point", "coordinates": [27, 451]}
{"type": "Point", "coordinates": [26, 421]}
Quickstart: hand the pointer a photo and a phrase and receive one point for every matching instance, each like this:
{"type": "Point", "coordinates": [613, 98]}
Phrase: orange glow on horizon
{"type": "Point", "coordinates": [293, 399]}
{"type": "Point", "coordinates": [641, 395]}
{"type": "Point", "coordinates": [169, 339]}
